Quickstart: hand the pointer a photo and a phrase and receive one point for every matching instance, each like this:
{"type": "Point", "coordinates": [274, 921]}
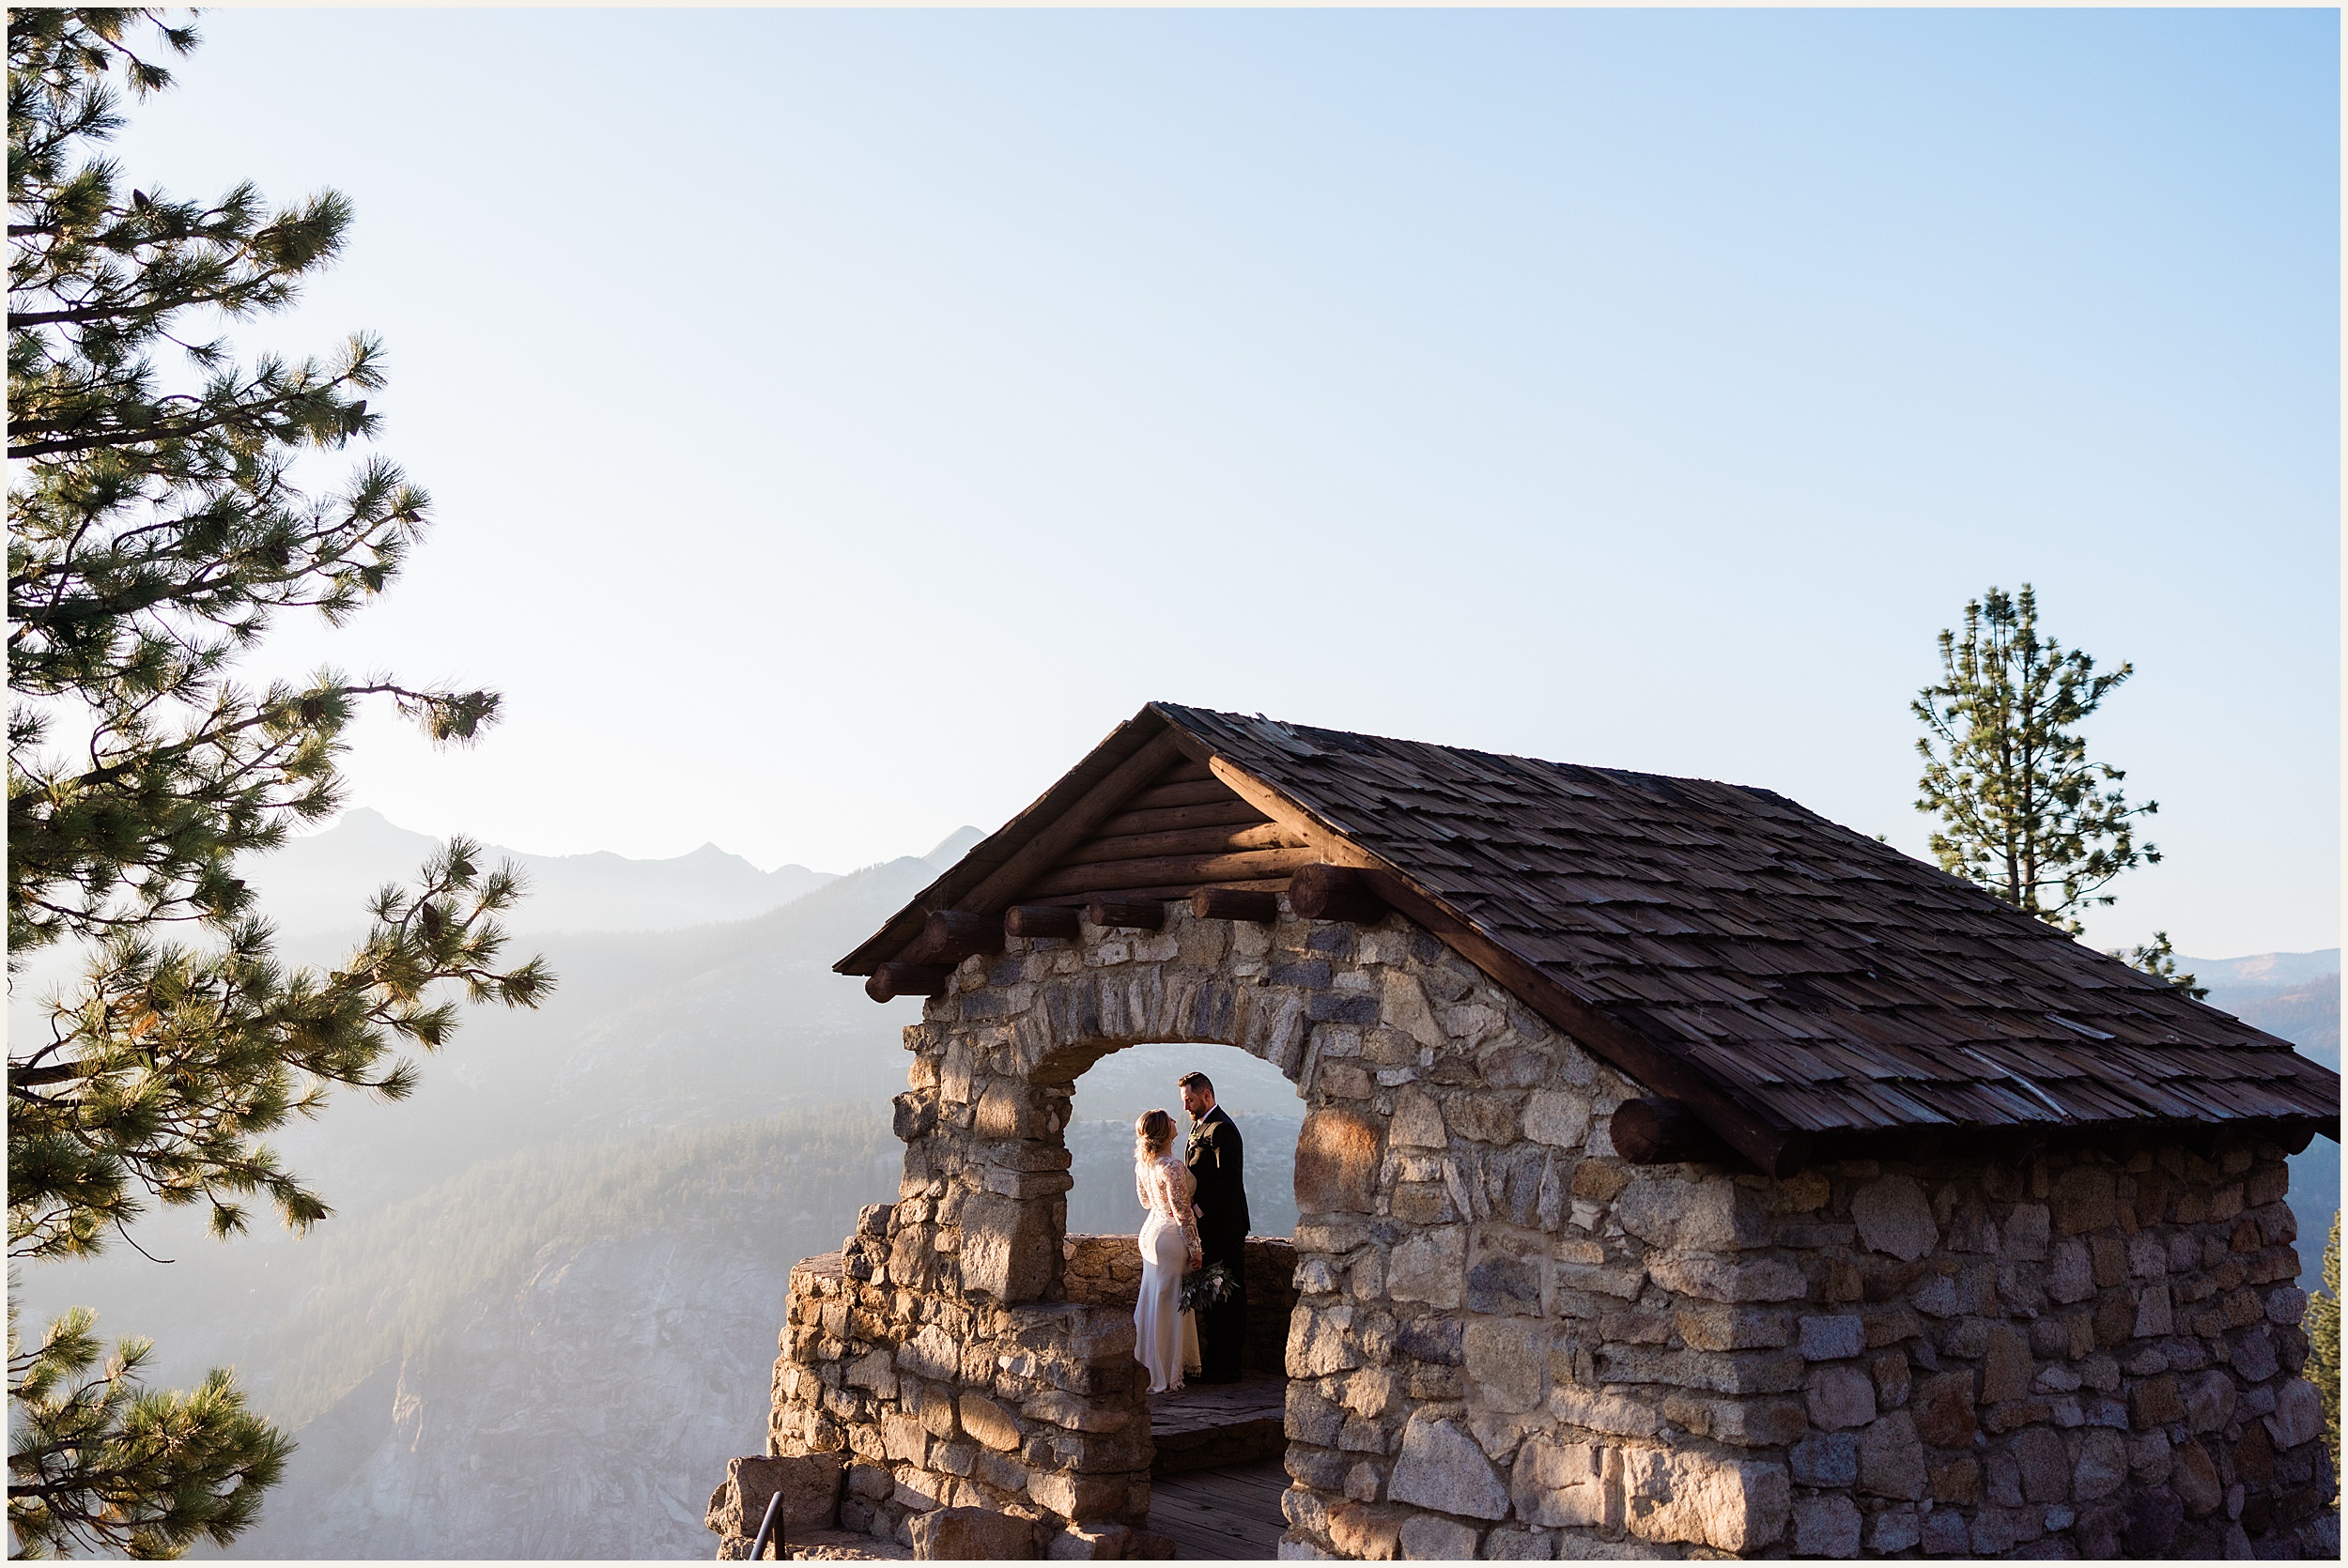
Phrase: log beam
{"type": "Point", "coordinates": [1653, 1130]}
{"type": "Point", "coordinates": [1135, 915]}
{"type": "Point", "coordinates": [952, 935]}
{"type": "Point", "coordinates": [1230, 903]}
{"type": "Point", "coordinates": [1074, 825]}
{"type": "Point", "coordinates": [1334, 847]}
{"type": "Point", "coordinates": [1173, 870]}
{"type": "Point", "coordinates": [1232, 840]}
{"type": "Point", "coordinates": [892, 980]}
{"type": "Point", "coordinates": [1034, 920]}
{"type": "Point", "coordinates": [1177, 893]}
{"type": "Point", "coordinates": [1324, 892]}
{"type": "Point", "coordinates": [1225, 813]}
{"type": "Point", "coordinates": [1192, 792]}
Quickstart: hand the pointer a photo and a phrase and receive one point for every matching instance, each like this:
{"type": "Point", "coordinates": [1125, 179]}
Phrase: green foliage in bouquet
{"type": "Point", "coordinates": [1210, 1286]}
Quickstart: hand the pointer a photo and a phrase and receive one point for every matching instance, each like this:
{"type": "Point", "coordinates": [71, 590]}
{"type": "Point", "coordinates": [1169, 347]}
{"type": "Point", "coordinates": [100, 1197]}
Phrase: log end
{"type": "Point", "coordinates": [1129, 913]}
{"type": "Point", "coordinates": [1325, 892]}
{"type": "Point", "coordinates": [1231, 903]}
{"type": "Point", "coordinates": [1658, 1131]}
{"type": "Point", "coordinates": [952, 935]}
{"type": "Point", "coordinates": [892, 980]}
{"type": "Point", "coordinates": [1028, 921]}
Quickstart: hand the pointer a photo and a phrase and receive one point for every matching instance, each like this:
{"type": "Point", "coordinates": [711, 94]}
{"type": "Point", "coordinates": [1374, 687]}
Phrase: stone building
{"type": "Point", "coordinates": [1681, 1174]}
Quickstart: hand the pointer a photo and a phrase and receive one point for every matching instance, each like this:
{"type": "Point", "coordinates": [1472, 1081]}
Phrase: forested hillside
{"type": "Point", "coordinates": [554, 1355]}
{"type": "Point", "coordinates": [2307, 1015]}
{"type": "Point", "coordinates": [544, 1310]}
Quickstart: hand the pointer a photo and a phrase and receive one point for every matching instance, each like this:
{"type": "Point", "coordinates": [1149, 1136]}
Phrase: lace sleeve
{"type": "Point", "coordinates": [1180, 1184]}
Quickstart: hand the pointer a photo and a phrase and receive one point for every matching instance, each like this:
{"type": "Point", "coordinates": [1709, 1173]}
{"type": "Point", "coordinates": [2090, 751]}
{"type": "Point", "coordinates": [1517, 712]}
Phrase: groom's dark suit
{"type": "Point", "coordinates": [1217, 1158]}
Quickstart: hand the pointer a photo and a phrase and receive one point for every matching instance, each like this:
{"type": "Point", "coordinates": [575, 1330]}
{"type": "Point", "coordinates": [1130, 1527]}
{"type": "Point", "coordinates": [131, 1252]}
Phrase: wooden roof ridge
{"type": "Point", "coordinates": [1508, 860]}
{"type": "Point", "coordinates": [980, 881]}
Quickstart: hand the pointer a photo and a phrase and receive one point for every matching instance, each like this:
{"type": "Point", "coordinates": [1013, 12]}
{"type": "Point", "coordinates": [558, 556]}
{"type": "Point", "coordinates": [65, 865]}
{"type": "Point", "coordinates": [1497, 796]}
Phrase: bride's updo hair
{"type": "Point", "coordinates": [1154, 1134]}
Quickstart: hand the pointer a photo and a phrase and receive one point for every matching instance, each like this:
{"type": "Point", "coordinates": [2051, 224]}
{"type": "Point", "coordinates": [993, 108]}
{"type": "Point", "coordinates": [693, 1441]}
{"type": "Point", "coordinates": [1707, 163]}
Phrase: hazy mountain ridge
{"type": "Point", "coordinates": [2261, 971]}
{"type": "Point", "coordinates": [2296, 995]}
{"type": "Point", "coordinates": [322, 881]}
{"type": "Point", "coordinates": [648, 1032]}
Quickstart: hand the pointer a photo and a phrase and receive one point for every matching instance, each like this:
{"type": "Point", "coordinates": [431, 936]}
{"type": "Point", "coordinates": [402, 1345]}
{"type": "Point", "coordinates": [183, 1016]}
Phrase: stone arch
{"type": "Point", "coordinates": [1060, 1071]}
{"type": "Point", "coordinates": [1102, 1265]}
{"type": "Point", "coordinates": [1212, 1018]}
{"type": "Point", "coordinates": [1014, 1032]}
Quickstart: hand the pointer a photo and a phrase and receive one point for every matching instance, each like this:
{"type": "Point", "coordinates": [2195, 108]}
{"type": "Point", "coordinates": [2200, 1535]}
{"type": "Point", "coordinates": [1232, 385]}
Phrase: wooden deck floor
{"type": "Point", "coordinates": [1216, 1487]}
{"type": "Point", "coordinates": [1211, 1425]}
{"type": "Point", "coordinates": [1229, 1512]}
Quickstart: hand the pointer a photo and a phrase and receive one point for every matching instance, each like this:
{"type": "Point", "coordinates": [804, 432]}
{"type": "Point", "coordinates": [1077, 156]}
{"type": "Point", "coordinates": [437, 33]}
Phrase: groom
{"type": "Point", "coordinates": [1216, 1159]}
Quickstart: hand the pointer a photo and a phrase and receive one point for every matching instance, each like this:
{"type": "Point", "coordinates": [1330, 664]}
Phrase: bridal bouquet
{"type": "Point", "coordinates": [1209, 1287]}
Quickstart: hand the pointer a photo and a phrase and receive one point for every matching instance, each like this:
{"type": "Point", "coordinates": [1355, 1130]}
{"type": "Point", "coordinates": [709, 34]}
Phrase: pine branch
{"type": "Point", "coordinates": [155, 528]}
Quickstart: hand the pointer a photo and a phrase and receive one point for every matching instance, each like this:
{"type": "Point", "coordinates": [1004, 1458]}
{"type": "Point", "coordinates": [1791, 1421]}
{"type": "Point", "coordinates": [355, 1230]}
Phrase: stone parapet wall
{"type": "Point", "coordinates": [1271, 1298]}
{"type": "Point", "coordinates": [1106, 1271]}
{"type": "Point", "coordinates": [1101, 1270]}
{"type": "Point", "coordinates": [1512, 1343]}
{"type": "Point", "coordinates": [1033, 1409]}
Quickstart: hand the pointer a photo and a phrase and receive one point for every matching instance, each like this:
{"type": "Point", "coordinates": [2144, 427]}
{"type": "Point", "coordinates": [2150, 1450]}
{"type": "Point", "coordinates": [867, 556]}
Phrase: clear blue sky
{"type": "Point", "coordinates": [840, 419]}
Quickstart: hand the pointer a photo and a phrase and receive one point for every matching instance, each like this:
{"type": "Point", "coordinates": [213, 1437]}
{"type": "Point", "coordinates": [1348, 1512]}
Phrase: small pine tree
{"type": "Point", "coordinates": [159, 520]}
{"type": "Point", "coordinates": [2322, 1326]}
{"type": "Point", "coordinates": [2158, 958]}
{"type": "Point", "coordinates": [2022, 811]}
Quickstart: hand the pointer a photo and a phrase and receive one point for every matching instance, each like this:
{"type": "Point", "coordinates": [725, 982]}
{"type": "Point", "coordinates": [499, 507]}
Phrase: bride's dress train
{"type": "Point", "coordinates": [1164, 1338]}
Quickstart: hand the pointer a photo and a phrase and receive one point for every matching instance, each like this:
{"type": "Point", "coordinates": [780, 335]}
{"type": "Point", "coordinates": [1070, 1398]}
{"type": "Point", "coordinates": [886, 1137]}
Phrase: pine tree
{"type": "Point", "coordinates": [2158, 958]}
{"type": "Point", "coordinates": [2022, 811]}
{"type": "Point", "coordinates": [160, 520]}
{"type": "Point", "coordinates": [2323, 1328]}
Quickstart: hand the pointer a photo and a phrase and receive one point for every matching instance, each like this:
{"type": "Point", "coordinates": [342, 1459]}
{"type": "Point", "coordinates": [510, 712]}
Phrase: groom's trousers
{"type": "Point", "coordinates": [1223, 1329]}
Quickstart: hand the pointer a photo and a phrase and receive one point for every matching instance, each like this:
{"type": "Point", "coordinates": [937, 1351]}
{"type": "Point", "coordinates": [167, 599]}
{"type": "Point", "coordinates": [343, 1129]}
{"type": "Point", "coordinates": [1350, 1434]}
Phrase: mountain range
{"type": "Point", "coordinates": [2296, 995]}
{"type": "Point", "coordinates": [319, 883]}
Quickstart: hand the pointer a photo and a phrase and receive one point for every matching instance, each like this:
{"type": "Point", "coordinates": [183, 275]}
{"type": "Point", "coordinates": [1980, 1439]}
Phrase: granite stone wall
{"type": "Point", "coordinates": [1510, 1343]}
{"type": "Point", "coordinates": [1106, 1271]}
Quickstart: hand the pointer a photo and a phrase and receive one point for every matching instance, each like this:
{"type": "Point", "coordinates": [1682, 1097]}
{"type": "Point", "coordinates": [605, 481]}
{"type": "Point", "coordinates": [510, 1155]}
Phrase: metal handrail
{"type": "Point", "coordinates": [771, 1526]}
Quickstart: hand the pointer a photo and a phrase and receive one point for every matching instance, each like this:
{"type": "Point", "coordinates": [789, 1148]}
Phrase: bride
{"type": "Point", "coordinates": [1169, 1239]}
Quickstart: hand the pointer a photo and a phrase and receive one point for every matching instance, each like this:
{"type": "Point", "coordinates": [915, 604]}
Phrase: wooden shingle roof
{"type": "Point", "coordinates": [1799, 984]}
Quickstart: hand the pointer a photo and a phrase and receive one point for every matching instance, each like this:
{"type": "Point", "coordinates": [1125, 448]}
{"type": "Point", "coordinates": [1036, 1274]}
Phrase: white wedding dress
{"type": "Point", "coordinates": [1162, 1335]}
